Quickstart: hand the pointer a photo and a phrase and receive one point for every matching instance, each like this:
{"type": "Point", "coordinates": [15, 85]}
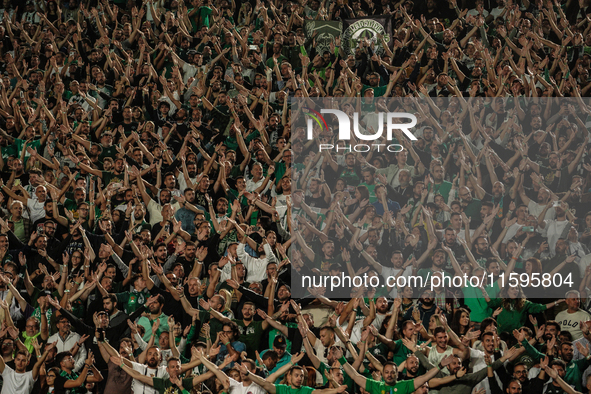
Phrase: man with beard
{"type": "Point", "coordinates": [187, 213]}
{"type": "Point", "coordinates": [426, 306]}
{"type": "Point", "coordinates": [221, 113]}
{"type": "Point", "coordinates": [169, 183]}
{"type": "Point", "coordinates": [350, 172]}
{"type": "Point", "coordinates": [411, 366]}
{"type": "Point", "coordinates": [173, 384]}
{"type": "Point", "coordinates": [481, 250]}
{"type": "Point", "coordinates": [552, 330]}
{"type": "Point", "coordinates": [216, 303]}
{"type": "Point", "coordinates": [154, 208]}
{"type": "Point", "coordinates": [438, 184]}
{"type": "Point", "coordinates": [256, 267]}
{"type": "Point", "coordinates": [438, 261]}
{"type": "Point", "coordinates": [403, 191]}
{"type": "Point", "coordinates": [274, 128]}
{"type": "Point", "coordinates": [322, 261]}
{"type": "Point", "coordinates": [390, 376]}
{"type": "Point", "coordinates": [115, 176]}
{"type": "Point", "coordinates": [462, 383]}
{"type": "Point", "coordinates": [520, 371]}
{"type": "Point", "coordinates": [536, 208]}
{"type": "Point", "coordinates": [188, 178]}
{"type": "Point", "coordinates": [112, 333]}
{"type": "Point", "coordinates": [151, 367]}
{"type": "Point", "coordinates": [296, 379]}
{"type": "Point", "coordinates": [570, 318]}
{"type": "Point", "coordinates": [172, 304]}
{"type": "Point", "coordinates": [572, 369]}
{"type": "Point", "coordinates": [470, 206]}
{"type": "Point", "coordinates": [442, 349]}
{"type": "Point", "coordinates": [66, 340]}
{"type": "Point", "coordinates": [18, 380]}
{"type": "Point", "coordinates": [321, 196]}
{"type": "Point", "coordinates": [189, 257]}
{"type": "Point", "coordinates": [116, 316]}
{"type": "Point", "coordinates": [450, 240]}
{"type": "Point", "coordinates": [555, 229]}
{"type": "Point", "coordinates": [49, 228]}
{"type": "Point", "coordinates": [441, 88]}
{"type": "Point", "coordinates": [323, 345]}
{"type": "Point", "coordinates": [325, 366]}
{"type": "Point", "coordinates": [155, 309]}
{"type": "Point", "coordinates": [393, 171]}
{"type": "Point", "coordinates": [128, 125]}
{"type": "Point", "coordinates": [400, 268]}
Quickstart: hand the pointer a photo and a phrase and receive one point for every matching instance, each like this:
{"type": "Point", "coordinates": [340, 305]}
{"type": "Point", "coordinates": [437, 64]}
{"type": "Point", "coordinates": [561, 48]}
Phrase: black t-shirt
{"type": "Point", "coordinates": [316, 202]}
{"type": "Point", "coordinates": [127, 127]}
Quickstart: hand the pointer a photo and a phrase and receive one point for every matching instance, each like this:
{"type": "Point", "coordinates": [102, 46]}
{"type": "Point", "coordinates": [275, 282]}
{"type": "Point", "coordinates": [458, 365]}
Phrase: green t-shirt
{"type": "Point", "coordinates": [403, 387]}
{"type": "Point", "coordinates": [350, 177]}
{"type": "Point", "coordinates": [443, 189]}
{"type": "Point", "coordinates": [215, 325]}
{"type": "Point", "coordinates": [348, 381]}
{"type": "Point", "coordinates": [280, 170]}
{"type": "Point", "coordinates": [378, 91]}
{"type": "Point", "coordinates": [473, 209]}
{"type": "Point", "coordinates": [202, 17]}
{"type": "Point", "coordinates": [372, 193]}
{"type": "Point", "coordinates": [132, 300]}
{"type": "Point", "coordinates": [165, 386]}
{"type": "Point", "coordinates": [250, 335]}
{"type": "Point", "coordinates": [474, 299]}
{"type": "Point", "coordinates": [284, 389]}
{"type": "Point", "coordinates": [16, 148]}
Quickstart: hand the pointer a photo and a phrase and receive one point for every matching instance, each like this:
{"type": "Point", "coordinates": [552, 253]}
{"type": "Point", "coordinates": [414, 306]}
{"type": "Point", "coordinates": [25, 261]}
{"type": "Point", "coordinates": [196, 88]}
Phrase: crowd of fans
{"type": "Point", "coordinates": [150, 239]}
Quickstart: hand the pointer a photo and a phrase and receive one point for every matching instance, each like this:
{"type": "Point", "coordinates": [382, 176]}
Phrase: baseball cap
{"type": "Point", "coordinates": [280, 342]}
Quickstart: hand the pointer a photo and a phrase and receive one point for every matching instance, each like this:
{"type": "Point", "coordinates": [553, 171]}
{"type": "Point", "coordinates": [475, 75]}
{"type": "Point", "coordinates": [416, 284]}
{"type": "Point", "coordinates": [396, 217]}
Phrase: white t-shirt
{"type": "Point", "coordinates": [138, 387]}
{"type": "Point", "coordinates": [570, 322]}
{"type": "Point", "coordinates": [237, 388]}
{"type": "Point", "coordinates": [392, 272]}
{"type": "Point", "coordinates": [553, 231]}
{"type": "Point", "coordinates": [511, 232]}
{"type": "Point", "coordinates": [17, 383]}
{"type": "Point", "coordinates": [36, 209]}
{"type": "Point", "coordinates": [536, 209]}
